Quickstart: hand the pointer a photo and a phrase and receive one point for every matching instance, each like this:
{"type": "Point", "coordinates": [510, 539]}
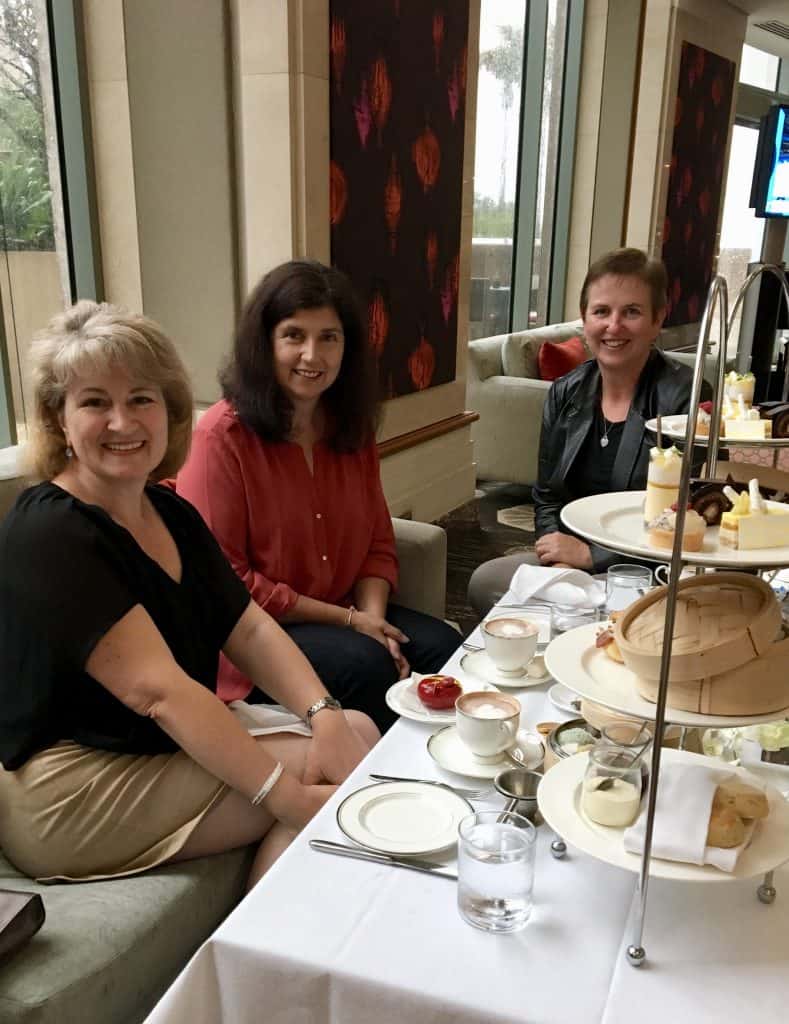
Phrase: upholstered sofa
{"type": "Point", "coordinates": [108, 950]}
{"type": "Point", "coordinates": [503, 386]}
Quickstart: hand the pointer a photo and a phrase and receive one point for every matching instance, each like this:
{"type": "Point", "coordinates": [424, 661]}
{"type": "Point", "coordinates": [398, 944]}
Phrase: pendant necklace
{"type": "Point", "coordinates": [606, 427]}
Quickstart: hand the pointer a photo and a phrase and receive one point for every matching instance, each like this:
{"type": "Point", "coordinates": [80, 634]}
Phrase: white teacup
{"type": "Point", "coordinates": [510, 643]}
{"type": "Point", "coordinates": [487, 722]}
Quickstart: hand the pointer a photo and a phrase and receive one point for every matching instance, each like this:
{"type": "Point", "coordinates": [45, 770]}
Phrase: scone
{"type": "Point", "coordinates": [747, 801]}
{"type": "Point", "coordinates": [726, 828]}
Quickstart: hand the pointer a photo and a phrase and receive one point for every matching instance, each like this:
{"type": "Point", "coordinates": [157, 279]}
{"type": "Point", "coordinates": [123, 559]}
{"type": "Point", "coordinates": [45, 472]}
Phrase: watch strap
{"type": "Point", "coordinates": [319, 705]}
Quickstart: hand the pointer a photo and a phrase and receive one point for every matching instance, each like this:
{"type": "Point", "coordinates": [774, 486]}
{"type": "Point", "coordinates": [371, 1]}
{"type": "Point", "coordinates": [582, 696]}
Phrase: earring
{"type": "Point", "coordinates": [69, 451]}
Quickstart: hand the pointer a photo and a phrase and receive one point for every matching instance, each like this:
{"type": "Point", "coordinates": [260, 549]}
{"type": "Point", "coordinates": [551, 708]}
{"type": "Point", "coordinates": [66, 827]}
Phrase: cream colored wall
{"type": "Point", "coordinates": [204, 186]}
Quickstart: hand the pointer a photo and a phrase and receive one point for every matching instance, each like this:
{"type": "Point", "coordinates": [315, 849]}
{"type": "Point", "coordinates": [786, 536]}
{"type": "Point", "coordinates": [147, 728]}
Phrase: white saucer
{"type": "Point", "coordinates": [477, 663]}
{"type": "Point", "coordinates": [403, 699]}
{"type": "Point", "coordinates": [562, 697]}
{"type": "Point", "coordinates": [448, 751]}
{"type": "Point", "coordinates": [408, 818]}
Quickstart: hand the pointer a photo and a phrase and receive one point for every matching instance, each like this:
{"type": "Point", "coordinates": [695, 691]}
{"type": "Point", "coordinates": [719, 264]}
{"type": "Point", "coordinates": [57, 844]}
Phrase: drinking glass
{"type": "Point", "coordinates": [624, 584]}
{"type": "Point", "coordinates": [496, 870]}
{"type": "Point", "coordinates": [569, 616]}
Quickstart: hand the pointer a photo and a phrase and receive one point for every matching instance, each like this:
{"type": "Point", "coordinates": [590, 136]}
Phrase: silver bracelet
{"type": "Point", "coordinates": [269, 784]}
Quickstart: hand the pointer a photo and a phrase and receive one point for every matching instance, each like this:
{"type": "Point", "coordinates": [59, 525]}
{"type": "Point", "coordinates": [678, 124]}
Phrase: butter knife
{"type": "Point", "coordinates": [427, 867]}
{"type": "Point", "coordinates": [468, 794]}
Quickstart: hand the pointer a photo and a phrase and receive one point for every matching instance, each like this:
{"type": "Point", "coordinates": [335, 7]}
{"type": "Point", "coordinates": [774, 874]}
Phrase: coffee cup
{"type": "Point", "coordinates": [487, 723]}
{"type": "Point", "coordinates": [510, 643]}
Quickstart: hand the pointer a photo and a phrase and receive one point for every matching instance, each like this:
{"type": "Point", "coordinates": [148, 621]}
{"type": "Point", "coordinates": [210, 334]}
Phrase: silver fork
{"type": "Point", "coordinates": [469, 794]}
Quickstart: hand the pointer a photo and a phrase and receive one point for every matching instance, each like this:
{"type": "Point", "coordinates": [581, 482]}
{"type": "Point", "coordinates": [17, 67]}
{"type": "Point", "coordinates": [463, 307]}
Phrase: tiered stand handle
{"type": "Point", "coordinates": [717, 292]}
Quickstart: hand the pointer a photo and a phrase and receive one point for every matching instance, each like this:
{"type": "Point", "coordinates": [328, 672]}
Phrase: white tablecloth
{"type": "Point", "coordinates": [327, 940]}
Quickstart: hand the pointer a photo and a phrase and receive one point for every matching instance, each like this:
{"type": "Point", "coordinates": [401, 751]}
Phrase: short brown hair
{"type": "Point", "coordinates": [629, 263]}
{"type": "Point", "coordinates": [97, 337]}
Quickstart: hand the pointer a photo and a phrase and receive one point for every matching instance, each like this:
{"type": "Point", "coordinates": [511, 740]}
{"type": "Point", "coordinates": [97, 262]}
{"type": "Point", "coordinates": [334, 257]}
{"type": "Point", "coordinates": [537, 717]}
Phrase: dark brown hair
{"type": "Point", "coordinates": [249, 382]}
{"type": "Point", "coordinates": [629, 263]}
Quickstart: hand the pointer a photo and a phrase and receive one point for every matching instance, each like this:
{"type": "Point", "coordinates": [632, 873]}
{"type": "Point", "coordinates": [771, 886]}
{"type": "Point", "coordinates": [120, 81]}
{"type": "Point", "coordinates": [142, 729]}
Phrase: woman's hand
{"type": "Point", "coordinates": [294, 803]}
{"type": "Point", "coordinates": [378, 628]}
{"type": "Point", "coordinates": [399, 658]}
{"type": "Point", "coordinates": [336, 748]}
{"type": "Point", "coordinates": [553, 548]}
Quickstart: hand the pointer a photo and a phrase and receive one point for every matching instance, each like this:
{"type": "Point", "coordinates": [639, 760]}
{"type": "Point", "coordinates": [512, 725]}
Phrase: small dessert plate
{"type": "Point", "coordinates": [565, 699]}
{"type": "Point", "coordinates": [403, 699]}
{"type": "Point", "coordinates": [477, 663]}
{"type": "Point", "coordinates": [449, 752]}
{"type": "Point", "coordinates": [407, 818]}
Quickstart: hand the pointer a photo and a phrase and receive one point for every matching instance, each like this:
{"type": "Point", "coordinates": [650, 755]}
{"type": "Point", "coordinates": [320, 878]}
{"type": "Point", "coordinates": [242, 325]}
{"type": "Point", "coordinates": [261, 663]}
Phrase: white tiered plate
{"type": "Point", "coordinates": [558, 798]}
{"type": "Point", "coordinates": [573, 659]}
{"type": "Point", "coordinates": [616, 521]}
{"type": "Point", "coordinates": [675, 427]}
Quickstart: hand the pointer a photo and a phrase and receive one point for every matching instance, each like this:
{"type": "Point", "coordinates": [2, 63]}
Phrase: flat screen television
{"type": "Point", "coordinates": [770, 188]}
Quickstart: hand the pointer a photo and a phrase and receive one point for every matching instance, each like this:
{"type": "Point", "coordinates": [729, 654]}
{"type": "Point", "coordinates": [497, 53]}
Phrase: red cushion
{"type": "Point", "coordinates": [556, 358]}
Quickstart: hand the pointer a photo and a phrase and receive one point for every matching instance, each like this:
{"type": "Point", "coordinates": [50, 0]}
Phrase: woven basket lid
{"type": "Point", "coordinates": [722, 621]}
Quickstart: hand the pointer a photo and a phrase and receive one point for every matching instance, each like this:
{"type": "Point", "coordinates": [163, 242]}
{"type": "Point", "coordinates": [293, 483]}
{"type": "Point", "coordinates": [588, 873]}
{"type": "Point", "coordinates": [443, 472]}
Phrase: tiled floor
{"type": "Point", "coordinates": [475, 533]}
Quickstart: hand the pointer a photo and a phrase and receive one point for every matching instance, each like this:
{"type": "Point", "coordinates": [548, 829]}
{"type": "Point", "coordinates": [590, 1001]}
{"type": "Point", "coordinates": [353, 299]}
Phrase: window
{"type": "Point", "coordinates": [758, 68]}
{"type": "Point", "coordinates": [496, 163]}
{"type": "Point", "coordinates": [35, 279]}
{"type": "Point", "coordinates": [526, 103]}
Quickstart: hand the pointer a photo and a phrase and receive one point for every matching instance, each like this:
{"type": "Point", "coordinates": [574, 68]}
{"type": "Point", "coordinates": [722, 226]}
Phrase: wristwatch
{"type": "Point", "coordinates": [319, 705]}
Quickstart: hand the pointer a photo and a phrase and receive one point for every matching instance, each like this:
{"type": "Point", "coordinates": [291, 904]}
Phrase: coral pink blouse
{"type": "Point", "coordinates": [287, 531]}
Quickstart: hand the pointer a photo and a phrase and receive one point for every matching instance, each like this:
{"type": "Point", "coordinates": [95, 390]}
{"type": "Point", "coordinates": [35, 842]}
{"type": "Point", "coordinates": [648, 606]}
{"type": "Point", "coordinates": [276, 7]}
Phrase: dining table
{"type": "Point", "coordinates": [323, 939]}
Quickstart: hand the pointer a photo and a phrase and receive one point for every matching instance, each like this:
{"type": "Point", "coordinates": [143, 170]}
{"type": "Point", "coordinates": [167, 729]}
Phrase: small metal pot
{"type": "Point", "coordinates": [519, 787]}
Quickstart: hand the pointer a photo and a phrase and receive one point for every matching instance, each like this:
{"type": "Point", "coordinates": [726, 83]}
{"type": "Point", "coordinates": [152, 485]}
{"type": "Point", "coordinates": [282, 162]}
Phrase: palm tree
{"type": "Point", "coordinates": [505, 62]}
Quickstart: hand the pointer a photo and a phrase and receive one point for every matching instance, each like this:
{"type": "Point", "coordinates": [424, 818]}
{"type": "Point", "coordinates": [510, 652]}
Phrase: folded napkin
{"type": "Point", "coordinates": [682, 816]}
{"type": "Point", "coordinates": [554, 586]}
{"type": "Point", "coordinates": [263, 719]}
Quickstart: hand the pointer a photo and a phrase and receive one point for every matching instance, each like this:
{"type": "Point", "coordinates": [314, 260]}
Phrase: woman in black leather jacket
{"type": "Point", "coordinates": [593, 439]}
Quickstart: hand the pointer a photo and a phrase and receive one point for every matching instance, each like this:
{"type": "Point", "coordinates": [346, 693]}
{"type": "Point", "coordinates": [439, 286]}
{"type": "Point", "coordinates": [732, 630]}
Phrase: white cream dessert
{"type": "Point", "coordinates": [739, 385]}
{"type": "Point", "coordinates": [753, 522]}
{"type": "Point", "coordinates": [615, 805]}
{"type": "Point", "coordinates": [746, 423]}
{"type": "Point", "coordinates": [665, 468]}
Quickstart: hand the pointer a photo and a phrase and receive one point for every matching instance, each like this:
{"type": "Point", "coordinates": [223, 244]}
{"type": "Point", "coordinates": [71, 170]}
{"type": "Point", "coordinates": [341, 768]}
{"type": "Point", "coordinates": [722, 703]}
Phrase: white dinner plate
{"type": "Point", "coordinates": [403, 699]}
{"type": "Point", "coordinates": [573, 659]}
{"type": "Point", "coordinates": [559, 800]}
{"type": "Point", "coordinates": [479, 665]}
{"type": "Point", "coordinates": [616, 521]}
{"type": "Point", "coordinates": [447, 750]}
{"type": "Point", "coordinates": [563, 698]}
{"type": "Point", "coordinates": [410, 818]}
{"type": "Point", "coordinates": [675, 427]}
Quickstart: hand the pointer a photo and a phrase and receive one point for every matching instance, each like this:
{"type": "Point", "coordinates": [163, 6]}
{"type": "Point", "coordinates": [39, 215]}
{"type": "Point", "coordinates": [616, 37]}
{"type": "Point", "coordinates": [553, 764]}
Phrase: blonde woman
{"type": "Point", "coordinates": [115, 602]}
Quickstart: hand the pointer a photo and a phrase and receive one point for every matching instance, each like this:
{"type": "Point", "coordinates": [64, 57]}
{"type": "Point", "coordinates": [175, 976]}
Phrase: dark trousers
{"type": "Point", "coordinates": [358, 671]}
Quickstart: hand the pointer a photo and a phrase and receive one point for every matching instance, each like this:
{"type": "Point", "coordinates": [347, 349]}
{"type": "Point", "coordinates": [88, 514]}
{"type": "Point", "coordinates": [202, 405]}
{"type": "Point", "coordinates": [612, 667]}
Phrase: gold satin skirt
{"type": "Point", "coordinates": [74, 813]}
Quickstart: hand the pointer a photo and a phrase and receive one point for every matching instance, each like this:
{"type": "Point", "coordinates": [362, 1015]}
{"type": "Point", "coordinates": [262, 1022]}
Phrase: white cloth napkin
{"type": "Point", "coordinates": [554, 586]}
{"type": "Point", "coordinates": [264, 719]}
{"type": "Point", "coordinates": [682, 815]}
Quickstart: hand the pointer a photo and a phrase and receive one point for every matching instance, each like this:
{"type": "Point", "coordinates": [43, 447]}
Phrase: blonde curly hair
{"type": "Point", "coordinates": [93, 337]}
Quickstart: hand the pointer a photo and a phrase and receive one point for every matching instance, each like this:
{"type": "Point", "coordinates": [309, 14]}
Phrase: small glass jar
{"type": "Point", "coordinates": [611, 790]}
{"type": "Point", "coordinates": [630, 738]}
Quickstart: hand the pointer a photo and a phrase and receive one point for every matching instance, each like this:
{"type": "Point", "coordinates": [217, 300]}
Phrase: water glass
{"type": "Point", "coordinates": [568, 616]}
{"type": "Point", "coordinates": [496, 870]}
{"type": "Point", "coordinates": [625, 584]}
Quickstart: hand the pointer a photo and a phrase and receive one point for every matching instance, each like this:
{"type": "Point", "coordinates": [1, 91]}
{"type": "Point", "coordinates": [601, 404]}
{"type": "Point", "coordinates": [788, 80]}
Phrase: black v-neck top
{"type": "Point", "coordinates": [594, 465]}
{"type": "Point", "coordinates": [68, 573]}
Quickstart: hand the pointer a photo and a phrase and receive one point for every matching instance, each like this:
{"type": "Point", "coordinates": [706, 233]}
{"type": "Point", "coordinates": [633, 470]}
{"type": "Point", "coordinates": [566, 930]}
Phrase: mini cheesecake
{"type": "Point", "coordinates": [660, 530]}
{"type": "Point", "coordinates": [753, 522]}
{"type": "Point", "coordinates": [746, 423]}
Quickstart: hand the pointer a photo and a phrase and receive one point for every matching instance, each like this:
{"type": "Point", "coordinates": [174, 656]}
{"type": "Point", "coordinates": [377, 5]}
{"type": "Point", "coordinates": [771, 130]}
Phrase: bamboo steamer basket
{"type": "Point", "coordinates": [724, 660]}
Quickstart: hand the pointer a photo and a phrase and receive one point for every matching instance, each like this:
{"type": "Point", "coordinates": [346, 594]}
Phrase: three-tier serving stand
{"type": "Point", "coordinates": [717, 296]}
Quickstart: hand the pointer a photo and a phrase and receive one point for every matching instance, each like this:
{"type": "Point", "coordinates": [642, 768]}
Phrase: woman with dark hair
{"type": "Point", "coordinates": [593, 438]}
{"type": "Point", "coordinates": [285, 472]}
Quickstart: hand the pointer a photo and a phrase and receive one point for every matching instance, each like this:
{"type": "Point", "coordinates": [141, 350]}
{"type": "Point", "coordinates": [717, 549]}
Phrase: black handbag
{"type": "Point", "coordinates": [21, 915]}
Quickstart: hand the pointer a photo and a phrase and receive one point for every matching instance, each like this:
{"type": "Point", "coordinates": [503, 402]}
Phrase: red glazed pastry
{"type": "Point", "coordinates": [439, 692]}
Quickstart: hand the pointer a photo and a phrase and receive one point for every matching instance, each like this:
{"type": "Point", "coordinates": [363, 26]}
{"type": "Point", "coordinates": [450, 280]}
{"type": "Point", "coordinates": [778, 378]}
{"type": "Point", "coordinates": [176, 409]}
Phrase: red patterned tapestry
{"type": "Point", "coordinates": [695, 187]}
{"type": "Point", "coordinates": [398, 91]}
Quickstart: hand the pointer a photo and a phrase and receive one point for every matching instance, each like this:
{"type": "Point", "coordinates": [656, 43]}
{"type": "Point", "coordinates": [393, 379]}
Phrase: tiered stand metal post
{"type": "Point", "coordinates": [717, 292]}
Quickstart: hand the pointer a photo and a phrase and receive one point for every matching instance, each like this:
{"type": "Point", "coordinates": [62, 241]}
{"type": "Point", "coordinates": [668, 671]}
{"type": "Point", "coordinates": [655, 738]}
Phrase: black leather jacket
{"type": "Point", "coordinates": [568, 415]}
